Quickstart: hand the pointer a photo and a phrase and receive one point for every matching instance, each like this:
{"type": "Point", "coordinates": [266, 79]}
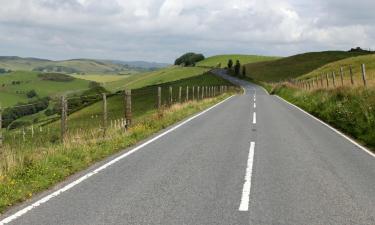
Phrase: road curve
{"type": "Point", "coordinates": [253, 159]}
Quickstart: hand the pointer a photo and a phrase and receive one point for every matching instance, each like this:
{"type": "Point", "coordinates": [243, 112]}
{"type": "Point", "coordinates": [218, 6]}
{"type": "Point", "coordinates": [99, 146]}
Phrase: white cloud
{"type": "Point", "coordinates": [163, 29]}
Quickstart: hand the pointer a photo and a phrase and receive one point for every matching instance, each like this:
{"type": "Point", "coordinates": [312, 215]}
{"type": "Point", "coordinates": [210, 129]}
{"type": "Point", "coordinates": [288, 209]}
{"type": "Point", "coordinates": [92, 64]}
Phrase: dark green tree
{"type": "Point", "coordinates": [31, 94]}
{"type": "Point", "coordinates": [189, 59]}
{"type": "Point", "coordinates": [243, 71]}
{"type": "Point", "coordinates": [237, 68]}
{"type": "Point", "coordinates": [230, 64]}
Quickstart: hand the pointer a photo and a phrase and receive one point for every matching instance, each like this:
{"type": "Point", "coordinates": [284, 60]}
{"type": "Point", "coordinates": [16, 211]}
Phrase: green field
{"type": "Point", "coordinates": [213, 61]}
{"type": "Point", "coordinates": [11, 93]}
{"type": "Point", "coordinates": [164, 75]}
{"type": "Point", "coordinates": [294, 66]}
{"type": "Point", "coordinates": [100, 78]}
{"type": "Point", "coordinates": [65, 66]}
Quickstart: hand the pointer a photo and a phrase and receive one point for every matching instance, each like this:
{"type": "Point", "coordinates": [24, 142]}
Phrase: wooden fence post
{"type": "Point", "coordinates": [128, 108]}
{"type": "Point", "coordinates": [193, 92]}
{"type": "Point", "coordinates": [1, 126]}
{"type": "Point", "coordinates": [364, 75]}
{"type": "Point", "coordinates": [327, 80]}
{"type": "Point", "coordinates": [159, 98]}
{"type": "Point", "coordinates": [170, 95]}
{"type": "Point", "coordinates": [351, 75]}
{"type": "Point", "coordinates": [180, 94]}
{"type": "Point", "coordinates": [187, 93]}
{"type": "Point", "coordinates": [63, 118]}
{"type": "Point", "coordinates": [321, 80]}
{"type": "Point", "coordinates": [334, 79]}
{"type": "Point", "coordinates": [105, 114]}
{"type": "Point", "coordinates": [198, 96]}
{"type": "Point", "coordinates": [342, 76]}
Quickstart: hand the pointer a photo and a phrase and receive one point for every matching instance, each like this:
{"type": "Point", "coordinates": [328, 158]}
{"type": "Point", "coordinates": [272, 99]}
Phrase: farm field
{"type": "Point", "coordinates": [294, 66]}
{"type": "Point", "coordinates": [213, 61]}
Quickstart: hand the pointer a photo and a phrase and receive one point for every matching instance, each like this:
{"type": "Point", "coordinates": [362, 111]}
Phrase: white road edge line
{"type": "Point", "coordinates": [254, 117]}
{"type": "Point", "coordinates": [332, 128]}
{"type": "Point", "coordinates": [85, 177]}
{"type": "Point", "coordinates": [245, 199]}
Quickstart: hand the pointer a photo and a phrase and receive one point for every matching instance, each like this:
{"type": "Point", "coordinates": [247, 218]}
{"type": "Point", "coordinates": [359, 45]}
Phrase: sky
{"type": "Point", "coordinates": [162, 30]}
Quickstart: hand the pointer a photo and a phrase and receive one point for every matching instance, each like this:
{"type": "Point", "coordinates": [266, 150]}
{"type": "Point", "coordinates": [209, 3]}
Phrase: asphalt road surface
{"type": "Point", "coordinates": [253, 159]}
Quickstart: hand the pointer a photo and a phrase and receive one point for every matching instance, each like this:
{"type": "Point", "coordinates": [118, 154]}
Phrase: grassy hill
{"type": "Point", "coordinates": [355, 62]}
{"type": "Point", "coordinates": [86, 66]}
{"type": "Point", "coordinates": [164, 75]}
{"type": "Point", "coordinates": [15, 85]}
{"type": "Point", "coordinates": [294, 66]}
{"type": "Point", "coordinates": [213, 61]}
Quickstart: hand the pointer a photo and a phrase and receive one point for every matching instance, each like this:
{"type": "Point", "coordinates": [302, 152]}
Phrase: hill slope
{"type": "Point", "coordinates": [213, 61]}
{"type": "Point", "coordinates": [294, 66]}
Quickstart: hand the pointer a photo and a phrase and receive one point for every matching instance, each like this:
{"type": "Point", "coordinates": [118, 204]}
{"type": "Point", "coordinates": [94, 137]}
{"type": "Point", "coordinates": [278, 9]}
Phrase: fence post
{"type": "Point", "coordinates": [187, 93]}
{"type": "Point", "coordinates": [193, 93]}
{"type": "Point", "coordinates": [198, 96]}
{"type": "Point", "coordinates": [105, 114]}
{"type": "Point", "coordinates": [159, 98]}
{"type": "Point", "coordinates": [321, 80]}
{"type": "Point", "coordinates": [342, 76]}
{"type": "Point", "coordinates": [327, 80]}
{"type": "Point", "coordinates": [128, 108]}
{"type": "Point", "coordinates": [364, 75]}
{"type": "Point", "coordinates": [1, 126]}
{"type": "Point", "coordinates": [334, 79]}
{"type": "Point", "coordinates": [180, 94]}
{"type": "Point", "coordinates": [63, 118]}
{"type": "Point", "coordinates": [170, 95]}
{"type": "Point", "coordinates": [351, 75]}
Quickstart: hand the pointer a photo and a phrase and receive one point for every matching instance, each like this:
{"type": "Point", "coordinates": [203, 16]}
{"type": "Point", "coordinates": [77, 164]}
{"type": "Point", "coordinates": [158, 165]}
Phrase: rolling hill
{"type": "Point", "coordinates": [213, 61]}
{"type": "Point", "coordinates": [295, 66]}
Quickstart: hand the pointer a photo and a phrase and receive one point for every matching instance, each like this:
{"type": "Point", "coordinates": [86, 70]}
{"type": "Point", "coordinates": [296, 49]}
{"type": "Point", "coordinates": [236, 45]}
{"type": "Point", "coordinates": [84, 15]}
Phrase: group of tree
{"type": "Point", "coordinates": [236, 68]}
{"type": "Point", "coordinates": [189, 59]}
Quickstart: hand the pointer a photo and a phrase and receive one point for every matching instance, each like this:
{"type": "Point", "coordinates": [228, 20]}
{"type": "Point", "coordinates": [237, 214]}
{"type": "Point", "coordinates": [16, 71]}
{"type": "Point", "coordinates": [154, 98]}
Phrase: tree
{"type": "Point", "coordinates": [230, 64]}
{"type": "Point", "coordinates": [237, 68]}
{"type": "Point", "coordinates": [189, 59]}
{"type": "Point", "coordinates": [243, 71]}
{"type": "Point", "coordinates": [31, 94]}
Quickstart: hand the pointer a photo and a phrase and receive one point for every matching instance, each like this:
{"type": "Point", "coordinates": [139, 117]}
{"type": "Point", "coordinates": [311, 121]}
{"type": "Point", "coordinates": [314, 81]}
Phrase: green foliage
{"type": "Point", "coordinates": [222, 60]}
{"type": "Point", "coordinates": [230, 63]}
{"type": "Point", "coordinates": [237, 68]}
{"type": "Point", "coordinates": [294, 66]}
{"type": "Point", "coordinates": [31, 94]}
{"type": "Point", "coordinates": [350, 110]}
{"type": "Point", "coordinates": [189, 59]}
{"type": "Point", "coordinates": [243, 71]}
{"type": "Point", "coordinates": [58, 77]}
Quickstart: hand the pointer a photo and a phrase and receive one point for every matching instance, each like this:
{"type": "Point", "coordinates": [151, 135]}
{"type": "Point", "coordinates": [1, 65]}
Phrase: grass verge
{"type": "Point", "coordinates": [43, 169]}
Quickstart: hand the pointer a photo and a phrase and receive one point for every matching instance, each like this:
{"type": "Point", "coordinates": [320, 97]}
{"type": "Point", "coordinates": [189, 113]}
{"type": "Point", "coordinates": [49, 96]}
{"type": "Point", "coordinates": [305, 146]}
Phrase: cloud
{"type": "Point", "coordinates": [163, 29]}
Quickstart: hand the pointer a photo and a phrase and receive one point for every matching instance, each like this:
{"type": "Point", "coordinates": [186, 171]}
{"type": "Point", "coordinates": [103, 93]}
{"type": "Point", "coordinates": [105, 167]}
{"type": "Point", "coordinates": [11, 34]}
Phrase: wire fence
{"type": "Point", "coordinates": [348, 76]}
{"type": "Point", "coordinates": [69, 117]}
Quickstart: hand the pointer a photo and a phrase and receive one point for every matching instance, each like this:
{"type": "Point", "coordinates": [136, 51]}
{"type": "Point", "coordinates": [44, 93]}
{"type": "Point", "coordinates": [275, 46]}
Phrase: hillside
{"type": "Point", "coordinates": [294, 66]}
{"type": "Point", "coordinates": [15, 85]}
{"type": "Point", "coordinates": [213, 61]}
{"type": "Point", "coordinates": [164, 75]}
{"type": "Point", "coordinates": [79, 66]}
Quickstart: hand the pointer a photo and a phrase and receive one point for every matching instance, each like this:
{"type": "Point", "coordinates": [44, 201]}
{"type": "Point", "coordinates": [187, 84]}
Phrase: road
{"type": "Point", "coordinates": [253, 159]}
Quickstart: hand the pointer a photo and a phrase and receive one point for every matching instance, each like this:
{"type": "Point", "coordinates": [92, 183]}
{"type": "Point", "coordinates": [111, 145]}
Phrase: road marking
{"type": "Point", "coordinates": [88, 175]}
{"type": "Point", "coordinates": [245, 199]}
{"type": "Point", "coordinates": [330, 127]}
{"type": "Point", "coordinates": [255, 105]}
{"type": "Point", "coordinates": [254, 117]}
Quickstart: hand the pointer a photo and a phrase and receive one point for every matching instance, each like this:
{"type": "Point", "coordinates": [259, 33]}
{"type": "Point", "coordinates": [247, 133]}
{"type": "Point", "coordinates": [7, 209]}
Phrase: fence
{"type": "Point", "coordinates": [349, 76]}
{"type": "Point", "coordinates": [99, 112]}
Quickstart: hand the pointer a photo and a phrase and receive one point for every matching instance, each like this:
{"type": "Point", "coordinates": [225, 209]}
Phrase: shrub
{"type": "Point", "coordinates": [58, 77]}
{"type": "Point", "coordinates": [230, 63]}
{"type": "Point", "coordinates": [189, 59]}
{"type": "Point", "coordinates": [31, 94]}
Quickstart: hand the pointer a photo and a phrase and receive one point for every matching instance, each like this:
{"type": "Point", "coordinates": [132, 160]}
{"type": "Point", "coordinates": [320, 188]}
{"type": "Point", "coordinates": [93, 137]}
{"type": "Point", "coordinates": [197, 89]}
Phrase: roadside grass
{"type": "Point", "coordinates": [213, 61]}
{"type": "Point", "coordinates": [351, 110]}
{"type": "Point", "coordinates": [163, 75]}
{"type": "Point", "coordinates": [294, 66]}
{"type": "Point", "coordinates": [12, 93]}
{"type": "Point", "coordinates": [43, 167]}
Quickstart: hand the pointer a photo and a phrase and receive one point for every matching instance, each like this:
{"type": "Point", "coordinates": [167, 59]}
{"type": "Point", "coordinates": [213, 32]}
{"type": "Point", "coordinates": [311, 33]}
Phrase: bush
{"type": "Point", "coordinates": [237, 68]}
{"type": "Point", "coordinates": [230, 64]}
{"type": "Point", "coordinates": [58, 77]}
{"type": "Point", "coordinates": [31, 94]}
{"type": "Point", "coordinates": [189, 59]}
